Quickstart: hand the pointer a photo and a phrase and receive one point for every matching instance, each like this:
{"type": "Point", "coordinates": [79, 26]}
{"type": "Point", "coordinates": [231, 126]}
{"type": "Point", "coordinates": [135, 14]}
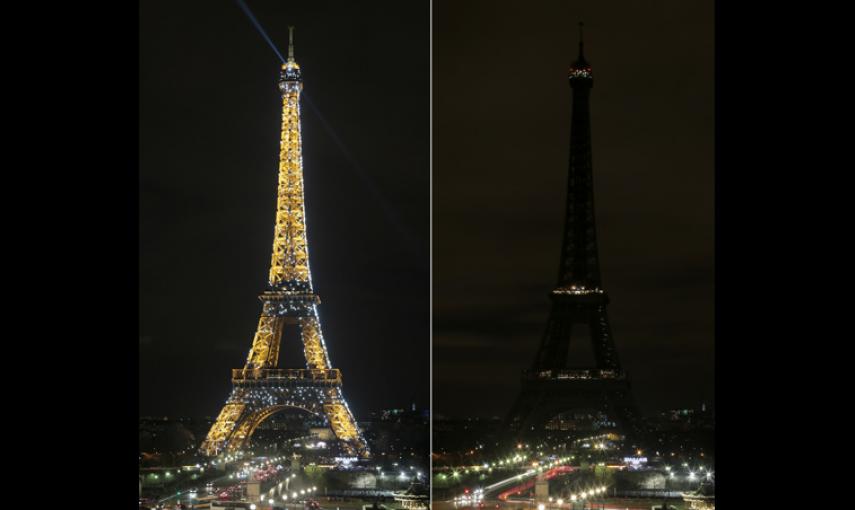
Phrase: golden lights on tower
{"type": "Point", "coordinates": [260, 388]}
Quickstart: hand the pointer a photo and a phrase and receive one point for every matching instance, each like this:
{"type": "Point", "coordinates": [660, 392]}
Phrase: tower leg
{"type": "Point", "coordinates": [265, 344]}
{"type": "Point", "coordinates": [343, 424]}
{"type": "Point", "coordinates": [221, 430]}
{"type": "Point", "coordinates": [313, 347]}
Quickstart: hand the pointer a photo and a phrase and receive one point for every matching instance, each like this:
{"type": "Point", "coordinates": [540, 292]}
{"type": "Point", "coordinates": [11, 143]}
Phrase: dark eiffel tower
{"type": "Point", "coordinates": [552, 389]}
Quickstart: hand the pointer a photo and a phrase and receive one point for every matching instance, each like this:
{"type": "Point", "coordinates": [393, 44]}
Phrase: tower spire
{"type": "Point", "coordinates": [580, 68]}
{"type": "Point", "coordinates": [290, 75]}
{"type": "Point", "coordinates": [291, 44]}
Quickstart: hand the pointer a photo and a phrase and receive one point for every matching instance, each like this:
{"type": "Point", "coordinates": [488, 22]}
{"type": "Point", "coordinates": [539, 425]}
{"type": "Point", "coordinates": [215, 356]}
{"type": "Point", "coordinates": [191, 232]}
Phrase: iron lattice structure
{"type": "Point", "coordinates": [552, 386]}
{"type": "Point", "coordinates": [260, 389]}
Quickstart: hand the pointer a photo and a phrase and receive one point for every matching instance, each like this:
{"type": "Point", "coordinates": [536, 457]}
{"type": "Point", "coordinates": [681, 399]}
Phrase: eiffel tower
{"type": "Point", "coordinates": [554, 393]}
{"type": "Point", "coordinates": [260, 389]}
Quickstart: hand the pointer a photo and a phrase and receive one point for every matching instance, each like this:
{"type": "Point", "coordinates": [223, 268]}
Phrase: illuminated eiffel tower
{"type": "Point", "coordinates": [260, 389]}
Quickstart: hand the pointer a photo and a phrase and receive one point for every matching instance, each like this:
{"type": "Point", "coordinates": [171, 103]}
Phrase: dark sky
{"type": "Point", "coordinates": [501, 133]}
{"type": "Point", "coordinates": [209, 134]}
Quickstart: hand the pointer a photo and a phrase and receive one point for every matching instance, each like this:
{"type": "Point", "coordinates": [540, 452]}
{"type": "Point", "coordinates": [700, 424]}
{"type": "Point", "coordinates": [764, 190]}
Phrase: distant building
{"type": "Point", "coordinates": [399, 435]}
{"type": "Point", "coordinates": [414, 498]}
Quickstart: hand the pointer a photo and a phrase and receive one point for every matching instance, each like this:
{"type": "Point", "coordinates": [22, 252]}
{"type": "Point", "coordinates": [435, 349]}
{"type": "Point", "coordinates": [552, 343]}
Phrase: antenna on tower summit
{"type": "Point", "coordinates": [291, 43]}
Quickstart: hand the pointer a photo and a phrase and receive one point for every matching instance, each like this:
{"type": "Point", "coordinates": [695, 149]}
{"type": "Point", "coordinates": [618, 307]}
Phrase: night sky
{"type": "Point", "coordinates": [209, 136]}
{"type": "Point", "coordinates": [501, 141]}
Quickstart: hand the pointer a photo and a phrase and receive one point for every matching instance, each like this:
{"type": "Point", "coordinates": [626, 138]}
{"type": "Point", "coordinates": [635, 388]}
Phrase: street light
{"type": "Point", "coordinates": [665, 483]}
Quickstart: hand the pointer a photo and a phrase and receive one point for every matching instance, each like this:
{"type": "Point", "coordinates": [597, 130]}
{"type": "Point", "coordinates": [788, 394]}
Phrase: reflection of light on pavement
{"type": "Point", "coordinates": [466, 499]}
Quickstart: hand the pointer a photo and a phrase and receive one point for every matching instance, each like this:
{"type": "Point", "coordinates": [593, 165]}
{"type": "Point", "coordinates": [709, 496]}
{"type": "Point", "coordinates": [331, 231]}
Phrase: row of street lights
{"type": "Point", "coordinates": [692, 475]}
{"type": "Point", "coordinates": [587, 494]}
{"type": "Point", "coordinates": [294, 497]}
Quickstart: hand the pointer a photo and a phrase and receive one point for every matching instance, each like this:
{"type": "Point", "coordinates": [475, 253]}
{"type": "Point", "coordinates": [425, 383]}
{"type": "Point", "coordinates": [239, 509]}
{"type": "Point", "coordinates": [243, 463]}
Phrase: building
{"type": "Point", "coordinates": [416, 497]}
{"type": "Point", "coordinates": [701, 499]}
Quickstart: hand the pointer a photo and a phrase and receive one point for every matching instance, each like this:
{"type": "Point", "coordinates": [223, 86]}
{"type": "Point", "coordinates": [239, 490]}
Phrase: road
{"type": "Point", "coordinates": [599, 504]}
